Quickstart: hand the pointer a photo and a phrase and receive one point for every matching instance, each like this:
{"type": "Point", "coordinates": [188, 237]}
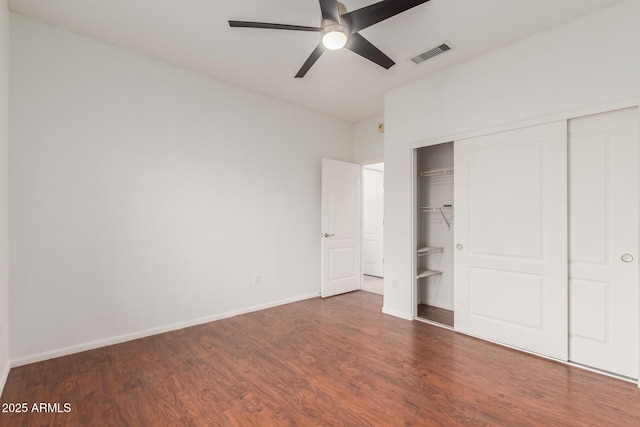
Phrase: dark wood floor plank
{"type": "Point", "coordinates": [330, 362]}
{"type": "Point", "coordinates": [436, 314]}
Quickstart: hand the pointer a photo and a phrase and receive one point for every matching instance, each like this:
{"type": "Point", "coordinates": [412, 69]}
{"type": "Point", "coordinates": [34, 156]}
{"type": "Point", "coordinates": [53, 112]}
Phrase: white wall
{"type": "Point", "coordinates": [4, 230]}
{"type": "Point", "coordinates": [144, 196]}
{"type": "Point", "coordinates": [593, 60]}
{"type": "Point", "coordinates": [368, 142]}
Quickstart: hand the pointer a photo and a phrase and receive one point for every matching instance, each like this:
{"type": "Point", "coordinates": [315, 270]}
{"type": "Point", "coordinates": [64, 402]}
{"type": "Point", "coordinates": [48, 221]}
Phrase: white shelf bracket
{"type": "Point", "coordinates": [445, 218]}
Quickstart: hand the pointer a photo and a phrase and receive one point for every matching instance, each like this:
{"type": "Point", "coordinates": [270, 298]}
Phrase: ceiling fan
{"type": "Point", "coordinates": [339, 29]}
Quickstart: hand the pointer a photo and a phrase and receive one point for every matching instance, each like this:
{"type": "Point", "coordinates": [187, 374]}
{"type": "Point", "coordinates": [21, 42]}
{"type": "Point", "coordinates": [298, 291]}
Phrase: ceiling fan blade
{"type": "Point", "coordinates": [329, 10]}
{"type": "Point", "coordinates": [364, 48]}
{"type": "Point", "coordinates": [311, 60]}
{"type": "Point", "coordinates": [367, 16]}
{"type": "Point", "coordinates": [248, 24]}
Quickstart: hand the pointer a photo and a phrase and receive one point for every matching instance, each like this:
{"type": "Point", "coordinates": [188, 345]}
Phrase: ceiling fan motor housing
{"type": "Point", "coordinates": [342, 9]}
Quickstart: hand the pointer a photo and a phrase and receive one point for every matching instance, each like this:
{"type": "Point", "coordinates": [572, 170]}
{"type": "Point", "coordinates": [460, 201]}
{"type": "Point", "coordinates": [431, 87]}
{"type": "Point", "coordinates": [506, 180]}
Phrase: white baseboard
{"type": "Point", "coordinates": [148, 332]}
{"type": "Point", "coordinates": [4, 375]}
{"type": "Point", "coordinates": [406, 316]}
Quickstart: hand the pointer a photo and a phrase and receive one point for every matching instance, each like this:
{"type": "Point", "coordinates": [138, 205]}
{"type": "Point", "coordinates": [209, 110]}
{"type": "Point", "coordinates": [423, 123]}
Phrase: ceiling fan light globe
{"type": "Point", "coordinates": [334, 40]}
{"type": "Point", "coordinates": [334, 37]}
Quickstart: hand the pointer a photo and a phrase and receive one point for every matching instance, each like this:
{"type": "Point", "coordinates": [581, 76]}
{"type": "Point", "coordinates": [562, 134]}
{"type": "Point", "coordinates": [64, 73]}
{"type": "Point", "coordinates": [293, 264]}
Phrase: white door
{"type": "Point", "coordinates": [372, 222]}
{"type": "Point", "coordinates": [341, 215]}
{"type": "Point", "coordinates": [511, 238]}
{"type": "Point", "coordinates": [603, 241]}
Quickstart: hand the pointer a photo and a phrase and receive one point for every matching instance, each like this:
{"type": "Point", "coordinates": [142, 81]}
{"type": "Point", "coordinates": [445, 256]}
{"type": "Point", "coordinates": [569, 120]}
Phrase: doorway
{"type": "Point", "coordinates": [434, 290]}
{"type": "Point", "coordinates": [372, 227]}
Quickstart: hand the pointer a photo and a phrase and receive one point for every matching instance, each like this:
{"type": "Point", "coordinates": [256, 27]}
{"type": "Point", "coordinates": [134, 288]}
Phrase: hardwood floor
{"type": "Point", "coordinates": [436, 314]}
{"type": "Point", "coordinates": [331, 362]}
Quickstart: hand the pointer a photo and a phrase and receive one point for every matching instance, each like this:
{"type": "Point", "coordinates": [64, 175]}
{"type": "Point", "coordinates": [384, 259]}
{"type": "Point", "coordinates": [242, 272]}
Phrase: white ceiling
{"type": "Point", "coordinates": [194, 34]}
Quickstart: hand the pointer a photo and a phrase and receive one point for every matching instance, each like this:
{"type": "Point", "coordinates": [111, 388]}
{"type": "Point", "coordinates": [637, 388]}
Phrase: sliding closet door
{"type": "Point", "coordinates": [511, 238]}
{"type": "Point", "coordinates": [603, 241]}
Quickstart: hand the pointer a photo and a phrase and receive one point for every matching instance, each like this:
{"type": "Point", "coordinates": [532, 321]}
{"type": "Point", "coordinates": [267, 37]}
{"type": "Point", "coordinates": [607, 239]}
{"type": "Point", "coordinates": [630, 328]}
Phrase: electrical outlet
{"type": "Point", "coordinates": [394, 282]}
{"type": "Point", "coordinates": [256, 279]}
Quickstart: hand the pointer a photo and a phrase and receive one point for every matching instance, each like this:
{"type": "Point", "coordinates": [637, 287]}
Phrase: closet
{"type": "Point", "coordinates": [435, 218]}
{"type": "Point", "coordinates": [544, 255]}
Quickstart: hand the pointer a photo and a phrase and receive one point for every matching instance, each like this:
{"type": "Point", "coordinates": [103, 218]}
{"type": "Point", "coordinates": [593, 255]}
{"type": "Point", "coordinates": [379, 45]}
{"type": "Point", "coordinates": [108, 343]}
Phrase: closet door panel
{"type": "Point", "coordinates": [511, 256]}
{"type": "Point", "coordinates": [492, 213]}
{"type": "Point", "coordinates": [603, 187]}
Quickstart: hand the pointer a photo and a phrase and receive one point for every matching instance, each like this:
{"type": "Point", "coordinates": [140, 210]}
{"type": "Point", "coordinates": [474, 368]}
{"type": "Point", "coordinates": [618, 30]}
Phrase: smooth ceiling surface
{"type": "Point", "coordinates": [194, 34]}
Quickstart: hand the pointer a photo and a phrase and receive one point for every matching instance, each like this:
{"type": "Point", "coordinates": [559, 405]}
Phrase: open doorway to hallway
{"type": "Point", "coordinates": [372, 227]}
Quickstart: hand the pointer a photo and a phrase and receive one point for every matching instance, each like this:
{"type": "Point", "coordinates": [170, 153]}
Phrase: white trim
{"type": "Point", "coordinates": [360, 261]}
{"type": "Point", "coordinates": [154, 331]}
{"type": "Point", "coordinates": [565, 115]}
{"type": "Point", "coordinates": [638, 382]}
{"type": "Point", "coordinates": [405, 316]}
{"type": "Point", "coordinates": [414, 232]}
{"type": "Point", "coordinates": [4, 375]}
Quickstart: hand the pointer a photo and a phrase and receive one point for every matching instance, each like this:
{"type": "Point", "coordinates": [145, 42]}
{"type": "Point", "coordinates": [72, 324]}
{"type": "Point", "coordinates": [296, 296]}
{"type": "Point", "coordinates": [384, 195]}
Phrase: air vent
{"type": "Point", "coordinates": [431, 53]}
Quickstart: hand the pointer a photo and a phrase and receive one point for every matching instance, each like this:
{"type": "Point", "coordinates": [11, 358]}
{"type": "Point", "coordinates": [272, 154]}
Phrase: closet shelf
{"type": "Point", "coordinates": [428, 209]}
{"type": "Point", "coordinates": [436, 172]}
{"type": "Point", "coordinates": [426, 250]}
{"type": "Point", "coordinates": [422, 273]}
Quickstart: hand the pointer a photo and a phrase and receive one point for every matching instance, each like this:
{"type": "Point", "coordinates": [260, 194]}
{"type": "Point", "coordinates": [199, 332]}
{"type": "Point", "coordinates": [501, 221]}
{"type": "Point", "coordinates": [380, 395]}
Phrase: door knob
{"type": "Point", "coordinates": [459, 246]}
{"type": "Point", "coordinates": [627, 258]}
{"type": "Point", "coordinates": [327, 235]}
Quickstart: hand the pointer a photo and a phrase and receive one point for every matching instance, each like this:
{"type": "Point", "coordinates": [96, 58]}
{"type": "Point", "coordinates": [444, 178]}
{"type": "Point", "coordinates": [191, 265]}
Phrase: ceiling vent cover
{"type": "Point", "coordinates": [431, 53]}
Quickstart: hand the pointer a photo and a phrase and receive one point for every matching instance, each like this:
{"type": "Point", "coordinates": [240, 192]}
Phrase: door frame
{"type": "Point", "coordinates": [503, 127]}
{"type": "Point", "coordinates": [362, 165]}
{"type": "Point", "coordinates": [414, 227]}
